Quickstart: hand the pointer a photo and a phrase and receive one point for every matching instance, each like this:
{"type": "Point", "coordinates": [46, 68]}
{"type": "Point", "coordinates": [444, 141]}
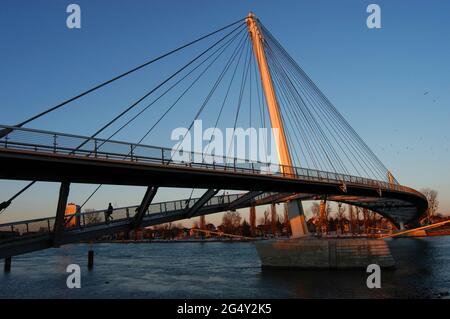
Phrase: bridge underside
{"type": "Point", "coordinates": [32, 242]}
{"type": "Point", "coordinates": [393, 204]}
{"type": "Point", "coordinates": [396, 205]}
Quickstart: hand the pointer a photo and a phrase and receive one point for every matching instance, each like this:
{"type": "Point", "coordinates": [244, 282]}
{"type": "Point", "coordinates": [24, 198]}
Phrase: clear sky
{"type": "Point", "coordinates": [392, 84]}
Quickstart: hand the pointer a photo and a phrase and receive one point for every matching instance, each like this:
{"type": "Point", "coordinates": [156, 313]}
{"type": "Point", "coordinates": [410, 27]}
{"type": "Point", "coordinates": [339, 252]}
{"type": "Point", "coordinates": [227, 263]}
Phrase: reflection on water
{"type": "Point", "coordinates": [219, 270]}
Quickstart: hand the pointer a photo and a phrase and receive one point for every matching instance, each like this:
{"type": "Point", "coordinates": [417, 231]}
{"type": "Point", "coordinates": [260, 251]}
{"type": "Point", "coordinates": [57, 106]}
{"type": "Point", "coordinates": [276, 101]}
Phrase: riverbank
{"type": "Point", "coordinates": [430, 233]}
{"type": "Point", "coordinates": [174, 241]}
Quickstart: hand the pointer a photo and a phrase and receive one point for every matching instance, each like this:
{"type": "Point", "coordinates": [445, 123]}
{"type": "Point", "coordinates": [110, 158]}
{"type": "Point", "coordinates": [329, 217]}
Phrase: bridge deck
{"type": "Point", "coordinates": [48, 156]}
{"type": "Point", "coordinates": [35, 234]}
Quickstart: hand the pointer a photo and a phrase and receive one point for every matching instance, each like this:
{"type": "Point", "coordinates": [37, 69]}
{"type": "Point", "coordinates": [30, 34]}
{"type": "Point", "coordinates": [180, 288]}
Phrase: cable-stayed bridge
{"type": "Point", "coordinates": [245, 78]}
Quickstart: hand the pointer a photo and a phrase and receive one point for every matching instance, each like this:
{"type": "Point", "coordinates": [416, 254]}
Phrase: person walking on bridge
{"type": "Point", "coordinates": [108, 213]}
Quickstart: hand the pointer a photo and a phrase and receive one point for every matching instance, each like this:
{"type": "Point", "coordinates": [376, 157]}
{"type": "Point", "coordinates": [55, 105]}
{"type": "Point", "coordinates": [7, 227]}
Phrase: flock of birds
{"type": "Point", "coordinates": [426, 93]}
{"type": "Point", "coordinates": [408, 148]}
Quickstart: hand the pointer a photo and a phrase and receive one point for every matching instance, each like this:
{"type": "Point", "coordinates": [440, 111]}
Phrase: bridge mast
{"type": "Point", "coordinates": [295, 208]}
{"type": "Point", "coordinates": [266, 79]}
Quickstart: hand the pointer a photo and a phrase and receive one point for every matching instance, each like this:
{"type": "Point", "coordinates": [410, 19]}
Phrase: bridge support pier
{"type": "Point", "coordinates": [273, 219]}
{"type": "Point", "coordinates": [297, 219]}
{"type": "Point", "coordinates": [252, 218]}
{"type": "Point", "coordinates": [402, 225]}
{"type": "Point", "coordinates": [90, 259]}
{"type": "Point", "coordinates": [325, 253]}
{"type": "Point", "coordinates": [7, 264]}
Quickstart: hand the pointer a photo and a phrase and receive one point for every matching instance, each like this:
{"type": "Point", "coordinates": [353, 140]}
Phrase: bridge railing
{"type": "Point", "coordinates": [28, 227]}
{"type": "Point", "coordinates": [86, 219]}
{"type": "Point", "coordinates": [85, 147]}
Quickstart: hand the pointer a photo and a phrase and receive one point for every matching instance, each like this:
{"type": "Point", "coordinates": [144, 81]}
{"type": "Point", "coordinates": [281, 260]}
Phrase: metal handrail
{"type": "Point", "coordinates": [300, 173]}
{"type": "Point", "coordinates": [50, 220]}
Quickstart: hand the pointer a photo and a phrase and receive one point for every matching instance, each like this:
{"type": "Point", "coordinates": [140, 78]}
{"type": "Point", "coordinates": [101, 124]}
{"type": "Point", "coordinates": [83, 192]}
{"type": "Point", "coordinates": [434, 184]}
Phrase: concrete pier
{"type": "Point", "coordinates": [324, 253]}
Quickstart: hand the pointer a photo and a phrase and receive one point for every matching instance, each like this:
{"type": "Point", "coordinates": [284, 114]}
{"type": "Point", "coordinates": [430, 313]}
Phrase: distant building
{"type": "Point", "coordinates": [72, 215]}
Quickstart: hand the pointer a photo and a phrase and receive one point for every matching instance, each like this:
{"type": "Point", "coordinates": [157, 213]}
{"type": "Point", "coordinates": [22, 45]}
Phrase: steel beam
{"type": "Point", "coordinates": [58, 228]}
{"type": "Point", "coordinates": [5, 132]}
{"type": "Point", "coordinates": [146, 201]}
{"type": "Point", "coordinates": [210, 193]}
{"type": "Point", "coordinates": [244, 199]}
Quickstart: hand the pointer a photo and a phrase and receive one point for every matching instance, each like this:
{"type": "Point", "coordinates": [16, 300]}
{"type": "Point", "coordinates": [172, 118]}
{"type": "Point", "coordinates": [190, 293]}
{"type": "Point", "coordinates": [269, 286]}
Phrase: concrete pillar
{"type": "Point", "coordinates": [402, 225]}
{"type": "Point", "coordinates": [252, 219]}
{"type": "Point", "coordinates": [323, 217]}
{"type": "Point", "coordinates": [273, 218]}
{"type": "Point", "coordinates": [202, 224]}
{"type": "Point", "coordinates": [286, 216]}
{"type": "Point", "coordinates": [90, 259]}
{"type": "Point", "coordinates": [297, 219]}
{"type": "Point", "coordinates": [7, 264]}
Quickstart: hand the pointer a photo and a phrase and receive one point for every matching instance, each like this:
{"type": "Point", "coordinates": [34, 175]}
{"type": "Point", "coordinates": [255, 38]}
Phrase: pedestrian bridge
{"type": "Point", "coordinates": [35, 234]}
{"type": "Point", "coordinates": [56, 157]}
{"type": "Point", "coordinates": [321, 156]}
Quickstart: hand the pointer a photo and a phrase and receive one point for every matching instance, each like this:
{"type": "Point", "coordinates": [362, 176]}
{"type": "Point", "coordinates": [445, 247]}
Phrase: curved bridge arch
{"type": "Point", "coordinates": [144, 165]}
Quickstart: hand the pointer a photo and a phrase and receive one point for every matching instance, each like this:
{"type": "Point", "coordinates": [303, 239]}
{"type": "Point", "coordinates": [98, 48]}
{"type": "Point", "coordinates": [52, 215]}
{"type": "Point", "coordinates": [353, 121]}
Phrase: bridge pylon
{"type": "Point", "coordinates": [252, 219]}
{"type": "Point", "coordinates": [295, 210]}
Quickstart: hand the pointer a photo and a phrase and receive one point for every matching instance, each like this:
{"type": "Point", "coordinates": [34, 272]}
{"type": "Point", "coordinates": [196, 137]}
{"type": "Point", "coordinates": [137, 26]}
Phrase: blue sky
{"type": "Point", "coordinates": [376, 78]}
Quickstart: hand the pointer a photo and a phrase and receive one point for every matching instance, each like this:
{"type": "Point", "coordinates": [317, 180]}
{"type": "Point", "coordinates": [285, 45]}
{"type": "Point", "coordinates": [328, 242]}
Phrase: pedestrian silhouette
{"type": "Point", "coordinates": [108, 213]}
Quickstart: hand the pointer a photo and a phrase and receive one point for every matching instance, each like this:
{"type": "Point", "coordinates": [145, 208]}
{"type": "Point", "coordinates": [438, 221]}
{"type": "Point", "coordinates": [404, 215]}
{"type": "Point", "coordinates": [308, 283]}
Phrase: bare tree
{"type": "Point", "coordinates": [231, 222]}
{"type": "Point", "coordinates": [340, 214]}
{"type": "Point", "coordinates": [433, 202]}
{"type": "Point", "coordinates": [357, 211]}
{"type": "Point", "coordinates": [372, 219]}
{"type": "Point", "coordinates": [366, 220]}
{"type": "Point", "coordinates": [266, 219]}
{"type": "Point", "coordinates": [328, 209]}
{"type": "Point", "coordinates": [315, 209]}
{"type": "Point", "coordinates": [352, 219]}
{"type": "Point", "coordinates": [90, 217]}
{"type": "Point", "coordinates": [285, 216]}
{"type": "Point", "coordinates": [323, 220]}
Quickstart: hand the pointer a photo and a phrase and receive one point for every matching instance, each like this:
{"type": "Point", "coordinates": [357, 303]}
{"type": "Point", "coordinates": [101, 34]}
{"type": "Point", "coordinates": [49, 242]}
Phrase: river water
{"type": "Point", "coordinates": [219, 270]}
